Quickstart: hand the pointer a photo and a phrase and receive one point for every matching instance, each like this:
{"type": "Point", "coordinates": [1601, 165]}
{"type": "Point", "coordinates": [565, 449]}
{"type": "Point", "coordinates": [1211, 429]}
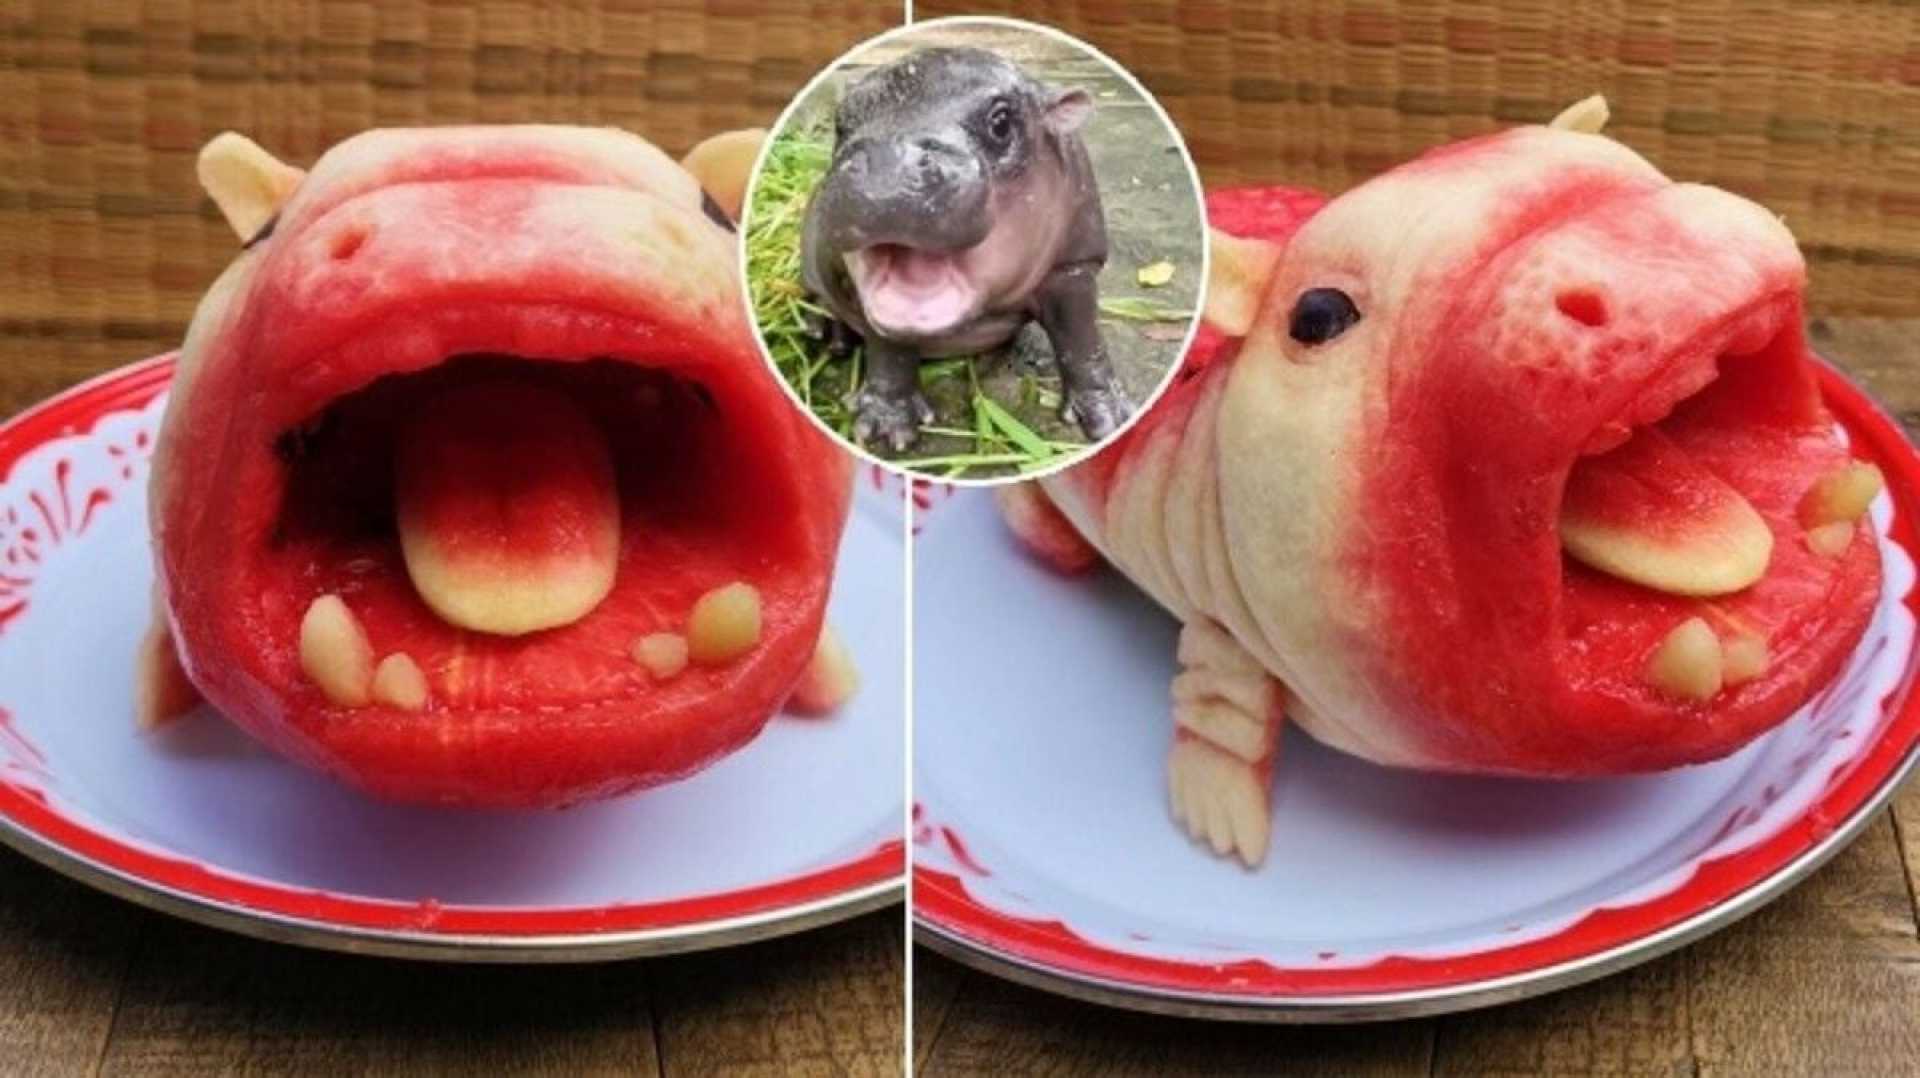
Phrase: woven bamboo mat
{"type": "Point", "coordinates": [106, 241]}
{"type": "Point", "coordinates": [1812, 108]}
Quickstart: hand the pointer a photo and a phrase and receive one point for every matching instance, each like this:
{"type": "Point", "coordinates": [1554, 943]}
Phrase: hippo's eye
{"type": "Point", "coordinates": [1000, 122]}
{"type": "Point", "coordinates": [1320, 315]}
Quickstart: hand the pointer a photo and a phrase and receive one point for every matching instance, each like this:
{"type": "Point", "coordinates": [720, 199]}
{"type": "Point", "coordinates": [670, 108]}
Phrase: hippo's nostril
{"type": "Point", "coordinates": [1583, 306]}
{"type": "Point", "coordinates": [348, 243]}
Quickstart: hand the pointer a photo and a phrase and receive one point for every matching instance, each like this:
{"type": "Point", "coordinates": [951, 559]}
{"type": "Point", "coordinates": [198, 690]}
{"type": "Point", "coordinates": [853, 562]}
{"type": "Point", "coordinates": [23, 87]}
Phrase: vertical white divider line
{"type": "Point", "coordinates": [906, 777]}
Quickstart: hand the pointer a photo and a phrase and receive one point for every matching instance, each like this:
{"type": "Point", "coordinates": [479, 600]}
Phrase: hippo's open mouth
{"type": "Point", "coordinates": [908, 292]}
{"type": "Point", "coordinates": [524, 533]}
{"type": "Point", "coordinates": [1713, 533]}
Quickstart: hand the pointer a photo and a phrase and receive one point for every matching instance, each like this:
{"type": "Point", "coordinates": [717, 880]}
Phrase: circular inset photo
{"type": "Point", "coordinates": [975, 249]}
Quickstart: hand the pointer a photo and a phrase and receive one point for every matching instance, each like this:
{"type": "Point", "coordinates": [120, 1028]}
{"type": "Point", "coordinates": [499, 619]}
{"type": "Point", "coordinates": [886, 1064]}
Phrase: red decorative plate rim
{"type": "Point", "coordinates": [1052, 955]}
{"type": "Point", "coordinates": [32, 825]}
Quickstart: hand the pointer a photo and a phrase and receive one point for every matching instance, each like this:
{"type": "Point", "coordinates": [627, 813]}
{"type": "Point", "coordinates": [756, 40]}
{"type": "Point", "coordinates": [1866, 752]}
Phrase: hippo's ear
{"type": "Point", "coordinates": [1068, 109]}
{"type": "Point", "coordinates": [722, 164]}
{"type": "Point", "coordinates": [246, 182]}
{"type": "Point", "coordinates": [1237, 272]}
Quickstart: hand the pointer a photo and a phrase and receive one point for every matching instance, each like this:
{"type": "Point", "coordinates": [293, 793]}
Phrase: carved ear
{"type": "Point", "coordinates": [1237, 272]}
{"type": "Point", "coordinates": [722, 164]}
{"type": "Point", "coordinates": [1589, 114]}
{"type": "Point", "coordinates": [246, 182]}
{"type": "Point", "coordinates": [1068, 110]}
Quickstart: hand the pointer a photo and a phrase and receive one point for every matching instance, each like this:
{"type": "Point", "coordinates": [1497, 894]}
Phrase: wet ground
{"type": "Point", "coordinates": [1152, 217]}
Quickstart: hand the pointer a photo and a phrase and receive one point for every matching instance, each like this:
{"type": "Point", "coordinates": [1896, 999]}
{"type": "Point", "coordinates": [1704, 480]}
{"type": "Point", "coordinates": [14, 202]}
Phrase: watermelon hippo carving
{"type": "Point", "coordinates": [472, 488]}
{"type": "Point", "coordinates": [1509, 461]}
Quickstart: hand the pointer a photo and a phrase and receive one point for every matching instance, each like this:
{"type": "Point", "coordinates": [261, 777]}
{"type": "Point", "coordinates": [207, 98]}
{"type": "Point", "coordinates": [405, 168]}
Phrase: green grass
{"type": "Point", "coordinates": [974, 437]}
{"type": "Point", "coordinates": [780, 306]}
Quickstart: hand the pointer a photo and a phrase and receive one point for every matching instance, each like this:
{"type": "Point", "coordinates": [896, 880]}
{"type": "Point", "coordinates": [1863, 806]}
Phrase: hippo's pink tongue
{"type": "Point", "coordinates": [908, 290]}
{"type": "Point", "coordinates": [922, 269]}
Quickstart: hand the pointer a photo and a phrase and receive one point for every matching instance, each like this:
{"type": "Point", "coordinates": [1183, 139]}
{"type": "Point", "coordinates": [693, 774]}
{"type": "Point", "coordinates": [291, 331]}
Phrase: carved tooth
{"type": "Point", "coordinates": [663, 654]}
{"type": "Point", "coordinates": [1841, 495]}
{"type": "Point", "coordinates": [1688, 663]}
{"type": "Point", "coordinates": [725, 624]}
{"type": "Point", "coordinates": [1743, 657]}
{"type": "Point", "coordinates": [398, 682]}
{"type": "Point", "coordinates": [829, 680]}
{"type": "Point", "coordinates": [334, 652]}
{"type": "Point", "coordinates": [1831, 540]}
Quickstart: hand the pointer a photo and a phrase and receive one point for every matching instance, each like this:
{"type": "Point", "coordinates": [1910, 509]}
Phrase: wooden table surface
{"type": "Point", "coordinates": [1825, 981]}
{"type": "Point", "coordinates": [90, 984]}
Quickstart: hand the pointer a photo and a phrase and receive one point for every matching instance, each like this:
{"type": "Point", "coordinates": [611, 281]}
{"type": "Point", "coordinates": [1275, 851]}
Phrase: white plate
{"type": "Point", "coordinates": [1043, 848]}
{"type": "Point", "coordinates": [800, 827]}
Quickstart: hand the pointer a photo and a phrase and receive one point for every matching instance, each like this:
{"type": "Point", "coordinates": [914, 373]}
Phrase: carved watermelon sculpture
{"type": "Point", "coordinates": [473, 488]}
{"type": "Point", "coordinates": [1511, 460]}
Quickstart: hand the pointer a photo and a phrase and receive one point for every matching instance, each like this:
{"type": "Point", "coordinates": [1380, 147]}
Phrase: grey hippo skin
{"type": "Point", "coordinates": [959, 206]}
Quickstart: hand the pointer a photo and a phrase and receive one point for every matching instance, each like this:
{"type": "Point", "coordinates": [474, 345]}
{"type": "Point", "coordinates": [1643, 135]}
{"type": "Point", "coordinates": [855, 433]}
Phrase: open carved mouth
{"type": "Point", "coordinates": [472, 488]}
{"type": "Point", "coordinates": [515, 526]}
{"type": "Point", "coordinates": [1712, 536]}
{"type": "Point", "coordinates": [912, 292]}
{"type": "Point", "coordinates": [600, 540]}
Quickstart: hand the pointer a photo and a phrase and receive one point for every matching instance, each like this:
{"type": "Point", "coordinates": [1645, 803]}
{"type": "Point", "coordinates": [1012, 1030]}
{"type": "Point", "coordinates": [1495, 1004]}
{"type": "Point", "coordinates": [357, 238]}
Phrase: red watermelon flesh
{"type": "Point", "coordinates": [1808, 607]}
{"type": "Point", "coordinates": [1505, 652]}
{"type": "Point", "coordinates": [402, 281]}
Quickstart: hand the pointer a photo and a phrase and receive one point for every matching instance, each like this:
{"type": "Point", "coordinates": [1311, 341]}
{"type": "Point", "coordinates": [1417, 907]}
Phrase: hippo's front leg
{"type": "Point", "coordinates": [889, 406]}
{"type": "Point", "coordinates": [1227, 712]}
{"type": "Point", "coordinates": [1069, 310]}
{"type": "Point", "coordinates": [837, 337]}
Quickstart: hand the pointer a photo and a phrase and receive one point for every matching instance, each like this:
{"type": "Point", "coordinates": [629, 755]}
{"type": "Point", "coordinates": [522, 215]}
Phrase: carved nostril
{"type": "Point", "coordinates": [1583, 306]}
{"type": "Point", "coordinates": [348, 243]}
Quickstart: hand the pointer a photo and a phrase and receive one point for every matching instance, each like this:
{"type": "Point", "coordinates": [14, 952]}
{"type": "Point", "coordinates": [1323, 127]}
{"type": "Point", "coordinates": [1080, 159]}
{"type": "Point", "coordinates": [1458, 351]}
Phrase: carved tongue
{"type": "Point", "coordinates": [1649, 513]}
{"type": "Point", "coordinates": [508, 508]}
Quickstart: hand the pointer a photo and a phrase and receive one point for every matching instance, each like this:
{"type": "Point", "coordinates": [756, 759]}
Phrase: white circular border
{"type": "Point", "coordinates": [911, 27]}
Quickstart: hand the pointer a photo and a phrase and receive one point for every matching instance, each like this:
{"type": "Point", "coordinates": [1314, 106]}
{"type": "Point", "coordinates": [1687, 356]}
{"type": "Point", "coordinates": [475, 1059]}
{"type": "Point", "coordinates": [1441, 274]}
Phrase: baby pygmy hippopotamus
{"type": "Point", "coordinates": [960, 205]}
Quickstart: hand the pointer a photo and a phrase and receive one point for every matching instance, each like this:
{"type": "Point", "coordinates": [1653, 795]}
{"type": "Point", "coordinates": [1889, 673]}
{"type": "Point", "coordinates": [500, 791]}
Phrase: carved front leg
{"type": "Point", "coordinates": [1227, 712]}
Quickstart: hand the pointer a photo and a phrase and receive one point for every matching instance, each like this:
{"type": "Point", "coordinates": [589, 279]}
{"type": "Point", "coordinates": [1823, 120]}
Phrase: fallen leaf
{"type": "Point", "coordinates": [1155, 275]}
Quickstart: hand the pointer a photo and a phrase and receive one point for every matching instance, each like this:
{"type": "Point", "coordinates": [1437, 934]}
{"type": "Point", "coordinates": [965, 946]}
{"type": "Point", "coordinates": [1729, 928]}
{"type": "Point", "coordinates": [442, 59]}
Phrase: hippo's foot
{"type": "Point", "coordinates": [893, 421]}
{"type": "Point", "coordinates": [839, 338]}
{"type": "Point", "coordinates": [1098, 409]}
{"type": "Point", "coordinates": [1227, 711]}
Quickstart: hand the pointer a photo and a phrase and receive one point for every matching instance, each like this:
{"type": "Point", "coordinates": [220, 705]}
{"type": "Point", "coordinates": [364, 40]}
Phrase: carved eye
{"type": "Point", "coordinates": [1000, 122]}
{"type": "Point", "coordinates": [1320, 315]}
